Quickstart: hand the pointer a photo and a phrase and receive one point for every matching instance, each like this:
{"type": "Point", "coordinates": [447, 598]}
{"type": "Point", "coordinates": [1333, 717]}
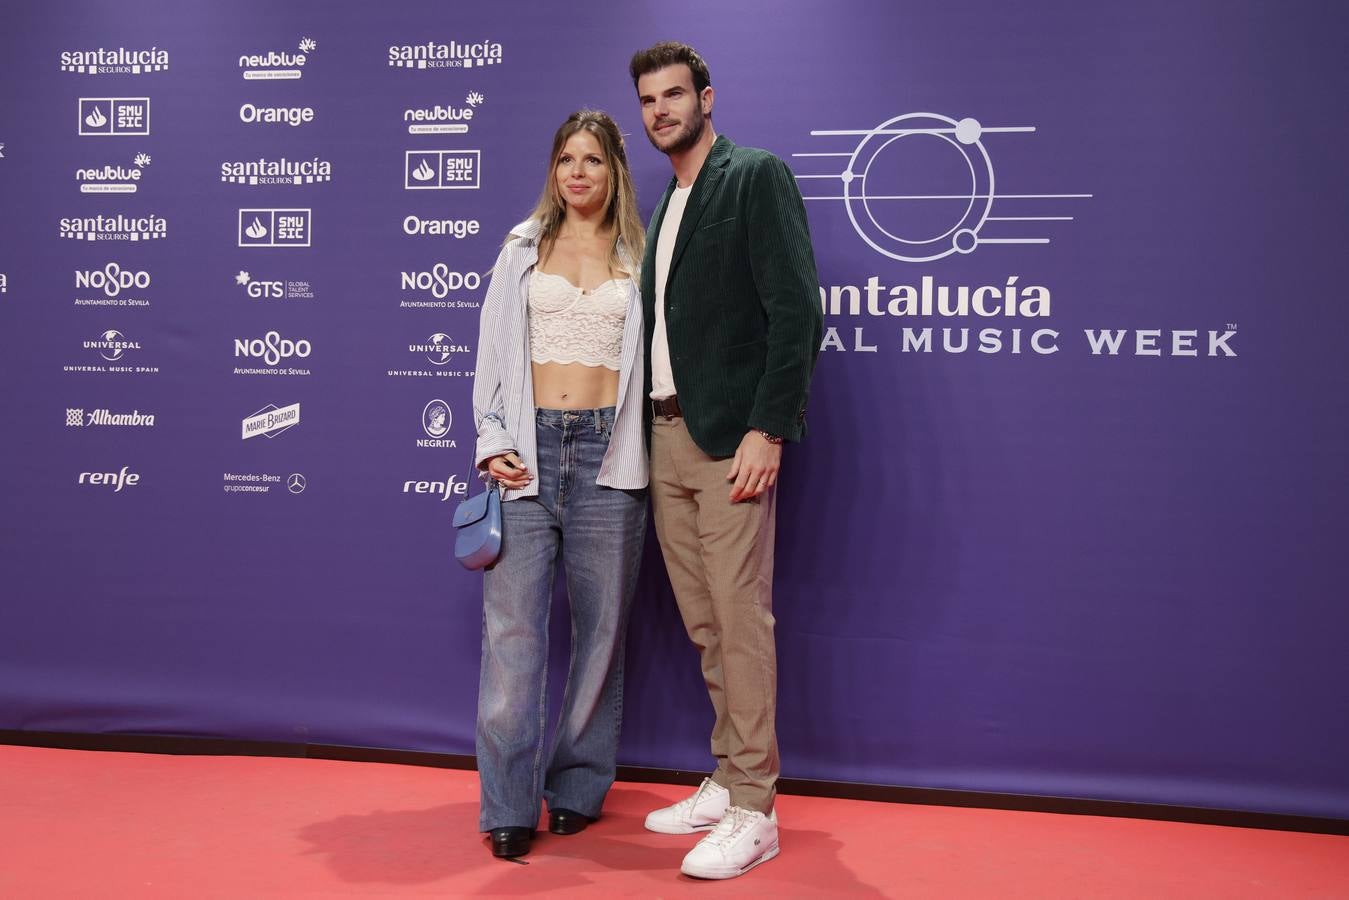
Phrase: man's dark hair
{"type": "Point", "coordinates": [670, 53]}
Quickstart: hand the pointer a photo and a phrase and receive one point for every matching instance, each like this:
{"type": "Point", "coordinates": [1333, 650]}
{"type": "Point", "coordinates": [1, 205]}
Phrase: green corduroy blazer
{"type": "Point", "coordinates": [742, 302]}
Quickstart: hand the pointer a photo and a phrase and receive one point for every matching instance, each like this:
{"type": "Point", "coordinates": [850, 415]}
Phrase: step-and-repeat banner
{"type": "Point", "coordinates": [1068, 518]}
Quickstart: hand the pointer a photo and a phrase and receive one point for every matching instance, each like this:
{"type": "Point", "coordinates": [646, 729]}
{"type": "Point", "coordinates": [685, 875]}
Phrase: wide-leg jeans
{"type": "Point", "coordinates": [597, 532]}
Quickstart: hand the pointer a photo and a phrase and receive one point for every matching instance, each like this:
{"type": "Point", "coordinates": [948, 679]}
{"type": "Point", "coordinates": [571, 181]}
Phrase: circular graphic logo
{"type": "Point", "coordinates": [115, 342]}
{"type": "Point", "coordinates": [296, 483]}
{"type": "Point", "coordinates": [919, 187]}
{"type": "Point", "coordinates": [440, 349]}
{"type": "Point", "coordinates": [436, 419]}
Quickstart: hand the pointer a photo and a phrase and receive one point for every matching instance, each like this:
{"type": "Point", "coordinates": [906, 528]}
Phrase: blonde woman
{"type": "Point", "coordinates": [558, 404]}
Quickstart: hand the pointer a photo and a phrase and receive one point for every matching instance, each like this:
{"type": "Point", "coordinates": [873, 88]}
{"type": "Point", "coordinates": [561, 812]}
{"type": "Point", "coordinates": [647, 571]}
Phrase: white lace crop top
{"type": "Point", "coordinates": [569, 325]}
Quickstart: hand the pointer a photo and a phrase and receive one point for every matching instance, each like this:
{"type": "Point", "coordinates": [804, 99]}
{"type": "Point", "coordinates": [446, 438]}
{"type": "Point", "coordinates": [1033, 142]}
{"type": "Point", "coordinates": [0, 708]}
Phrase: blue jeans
{"type": "Point", "coordinates": [597, 532]}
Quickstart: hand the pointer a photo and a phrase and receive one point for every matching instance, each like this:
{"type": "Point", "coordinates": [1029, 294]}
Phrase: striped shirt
{"type": "Point", "coordinates": [503, 385]}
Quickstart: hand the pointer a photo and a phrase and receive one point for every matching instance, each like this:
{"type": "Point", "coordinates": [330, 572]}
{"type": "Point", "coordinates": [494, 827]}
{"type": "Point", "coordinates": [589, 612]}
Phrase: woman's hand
{"type": "Point", "coordinates": [509, 470]}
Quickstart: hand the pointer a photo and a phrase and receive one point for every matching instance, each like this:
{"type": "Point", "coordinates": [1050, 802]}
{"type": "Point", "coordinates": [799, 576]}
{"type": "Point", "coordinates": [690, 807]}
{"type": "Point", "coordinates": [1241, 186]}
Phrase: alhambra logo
{"type": "Point", "coordinates": [277, 171]}
{"type": "Point", "coordinates": [454, 55]}
{"type": "Point", "coordinates": [116, 61]}
{"type": "Point", "coordinates": [278, 65]}
{"type": "Point", "coordinates": [115, 228]}
{"type": "Point", "coordinates": [113, 179]}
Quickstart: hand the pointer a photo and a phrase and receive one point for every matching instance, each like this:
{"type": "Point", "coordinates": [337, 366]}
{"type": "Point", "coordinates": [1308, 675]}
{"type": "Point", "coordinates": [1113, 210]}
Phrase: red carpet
{"type": "Point", "coordinates": [107, 825]}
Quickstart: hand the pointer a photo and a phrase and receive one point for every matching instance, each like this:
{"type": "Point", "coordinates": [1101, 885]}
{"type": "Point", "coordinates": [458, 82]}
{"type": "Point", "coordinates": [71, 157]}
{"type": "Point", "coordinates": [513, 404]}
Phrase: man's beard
{"type": "Point", "coordinates": [691, 132]}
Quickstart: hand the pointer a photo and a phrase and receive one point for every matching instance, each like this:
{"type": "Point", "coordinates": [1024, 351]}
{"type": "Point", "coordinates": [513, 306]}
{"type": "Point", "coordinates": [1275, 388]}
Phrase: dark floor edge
{"type": "Point", "coordinates": [1081, 806]}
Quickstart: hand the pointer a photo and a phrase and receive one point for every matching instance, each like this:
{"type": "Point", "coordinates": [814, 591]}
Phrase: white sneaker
{"type": "Point", "coordinates": [742, 839]}
{"type": "Point", "coordinates": [698, 812]}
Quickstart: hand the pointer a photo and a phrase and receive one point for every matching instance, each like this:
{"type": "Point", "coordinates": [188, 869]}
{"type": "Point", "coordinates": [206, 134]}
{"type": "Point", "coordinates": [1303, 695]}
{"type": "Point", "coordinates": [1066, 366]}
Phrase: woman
{"type": "Point", "coordinates": [558, 404]}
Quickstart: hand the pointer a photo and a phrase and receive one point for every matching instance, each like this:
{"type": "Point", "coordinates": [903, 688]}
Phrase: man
{"type": "Point", "coordinates": [733, 326]}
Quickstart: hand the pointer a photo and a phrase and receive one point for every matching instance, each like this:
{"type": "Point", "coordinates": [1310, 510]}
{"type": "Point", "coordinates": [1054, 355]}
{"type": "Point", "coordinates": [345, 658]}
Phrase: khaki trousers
{"type": "Point", "coordinates": [719, 556]}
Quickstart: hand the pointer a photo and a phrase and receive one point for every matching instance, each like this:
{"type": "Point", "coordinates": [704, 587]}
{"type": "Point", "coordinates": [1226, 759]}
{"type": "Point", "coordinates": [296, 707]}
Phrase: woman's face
{"type": "Point", "coordinates": [583, 174]}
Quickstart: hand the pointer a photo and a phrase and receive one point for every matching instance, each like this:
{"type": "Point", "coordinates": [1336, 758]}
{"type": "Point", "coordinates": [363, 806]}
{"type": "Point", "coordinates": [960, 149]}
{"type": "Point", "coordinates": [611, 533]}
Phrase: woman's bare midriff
{"type": "Point", "coordinates": [574, 386]}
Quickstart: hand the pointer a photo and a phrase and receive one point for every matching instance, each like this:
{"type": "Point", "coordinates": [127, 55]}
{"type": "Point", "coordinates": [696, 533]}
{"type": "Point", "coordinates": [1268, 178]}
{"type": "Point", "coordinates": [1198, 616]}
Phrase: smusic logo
{"type": "Point", "coordinates": [274, 227]}
{"type": "Point", "coordinates": [454, 55]}
{"type": "Point", "coordinates": [118, 61]}
{"type": "Point", "coordinates": [271, 421]}
{"type": "Point", "coordinates": [279, 171]}
{"type": "Point", "coordinates": [113, 179]}
{"type": "Point", "coordinates": [113, 116]}
{"type": "Point", "coordinates": [278, 65]}
{"type": "Point", "coordinates": [441, 170]}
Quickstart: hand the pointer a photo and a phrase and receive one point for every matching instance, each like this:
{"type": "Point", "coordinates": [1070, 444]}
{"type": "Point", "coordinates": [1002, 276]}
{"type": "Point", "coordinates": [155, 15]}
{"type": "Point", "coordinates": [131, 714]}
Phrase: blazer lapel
{"type": "Point", "coordinates": [703, 189]}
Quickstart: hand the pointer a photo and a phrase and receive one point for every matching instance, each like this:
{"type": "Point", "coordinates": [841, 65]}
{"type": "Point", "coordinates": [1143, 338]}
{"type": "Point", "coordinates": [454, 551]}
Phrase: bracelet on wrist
{"type": "Point", "coordinates": [771, 438]}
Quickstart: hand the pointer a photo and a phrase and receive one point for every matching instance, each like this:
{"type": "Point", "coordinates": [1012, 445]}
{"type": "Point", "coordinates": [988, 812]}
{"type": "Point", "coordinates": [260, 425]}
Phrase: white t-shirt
{"type": "Point", "coordinates": [662, 376]}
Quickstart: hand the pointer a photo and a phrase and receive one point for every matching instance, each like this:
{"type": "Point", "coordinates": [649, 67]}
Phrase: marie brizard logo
{"type": "Point", "coordinates": [271, 420]}
{"type": "Point", "coordinates": [921, 186]}
{"type": "Point", "coordinates": [114, 116]}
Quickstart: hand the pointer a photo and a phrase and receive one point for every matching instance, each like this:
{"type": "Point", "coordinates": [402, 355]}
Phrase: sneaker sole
{"type": "Point", "coordinates": [678, 829]}
{"type": "Point", "coordinates": [722, 874]}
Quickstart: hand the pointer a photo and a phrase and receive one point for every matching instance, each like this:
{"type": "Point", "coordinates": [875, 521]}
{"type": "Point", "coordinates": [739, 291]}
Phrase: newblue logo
{"type": "Point", "coordinates": [111, 179]}
{"type": "Point", "coordinates": [277, 65]}
{"type": "Point", "coordinates": [447, 119]}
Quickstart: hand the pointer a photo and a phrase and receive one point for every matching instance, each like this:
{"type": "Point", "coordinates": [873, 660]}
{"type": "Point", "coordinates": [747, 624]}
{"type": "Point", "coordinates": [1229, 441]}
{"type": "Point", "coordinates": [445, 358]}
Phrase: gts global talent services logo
{"type": "Point", "coordinates": [446, 119]}
{"type": "Point", "coordinates": [454, 55]}
{"type": "Point", "coordinates": [274, 227]}
{"type": "Point", "coordinates": [264, 171]}
{"type": "Point", "coordinates": [271, 421]}
{"type": "Point", "coordinates": [278, 65]}
{"type": "Point", "coordinates": [115, 61]}
{"type": "Point", "coordinates": [113, 179]}
{"type": "Point", "coordinates": [436, 422]}
{"type": "Point", "coordinates": [114, 116]}
{"type": "Point", "coordinates": [260, 289]}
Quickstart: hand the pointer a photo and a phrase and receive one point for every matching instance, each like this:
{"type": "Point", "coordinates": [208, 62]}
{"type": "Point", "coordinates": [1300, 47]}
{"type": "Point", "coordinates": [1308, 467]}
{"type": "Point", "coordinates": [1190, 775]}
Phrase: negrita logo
{"type": "Point", "coordinates": [278, 65]}
{"type": "Point", "coordinates": [114, 116]}
{"type": "Point", "coordinates": [115, 61]}
{"type": "Point", "coordinates": [436, 422]}
{"type": "Point", "coordinates": [113, 179]}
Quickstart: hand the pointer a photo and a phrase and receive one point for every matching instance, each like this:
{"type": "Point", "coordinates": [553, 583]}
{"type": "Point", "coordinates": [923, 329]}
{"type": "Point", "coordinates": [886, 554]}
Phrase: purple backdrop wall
{"type": "Point", "coordinates": [1039, 565]}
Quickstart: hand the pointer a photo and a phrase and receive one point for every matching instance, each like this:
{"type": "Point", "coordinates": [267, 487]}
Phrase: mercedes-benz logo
{"type": "Point", "coordinates": [296, 483]}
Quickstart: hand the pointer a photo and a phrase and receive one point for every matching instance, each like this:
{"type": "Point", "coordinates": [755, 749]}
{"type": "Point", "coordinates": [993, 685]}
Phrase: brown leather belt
{"type": "Point", "coordinates": [667, 408]}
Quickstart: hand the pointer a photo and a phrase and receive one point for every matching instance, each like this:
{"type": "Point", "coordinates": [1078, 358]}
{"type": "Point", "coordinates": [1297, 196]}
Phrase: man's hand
{"type": "Point", "coordinates": [509, 470]}
{"type": "Point", "coordinates": [755, 467]}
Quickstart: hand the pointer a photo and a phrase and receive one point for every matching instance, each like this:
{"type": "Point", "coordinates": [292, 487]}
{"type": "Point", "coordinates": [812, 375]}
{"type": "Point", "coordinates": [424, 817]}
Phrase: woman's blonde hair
{"type": "Point", "coordinates": [620, 205]}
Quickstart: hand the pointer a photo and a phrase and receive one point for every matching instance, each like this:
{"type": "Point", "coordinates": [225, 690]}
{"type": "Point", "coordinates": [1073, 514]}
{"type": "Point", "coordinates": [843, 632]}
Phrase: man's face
{"type": "Point", "coordinates": [673, 114]}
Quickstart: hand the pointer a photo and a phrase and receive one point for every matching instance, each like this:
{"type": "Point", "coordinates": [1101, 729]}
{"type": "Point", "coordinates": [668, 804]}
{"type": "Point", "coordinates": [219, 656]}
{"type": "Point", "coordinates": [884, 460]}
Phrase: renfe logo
{"type": "Point", "coordinates": [113, 116]}
{"type": "Point", "coordinates": [116, 480]}
{"type": "Point", "coordinates": [274, 227]}
{"type": "Point", "coordinates": [450, 487]}
{"type": "Point", "coordinates": [441, 170]}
